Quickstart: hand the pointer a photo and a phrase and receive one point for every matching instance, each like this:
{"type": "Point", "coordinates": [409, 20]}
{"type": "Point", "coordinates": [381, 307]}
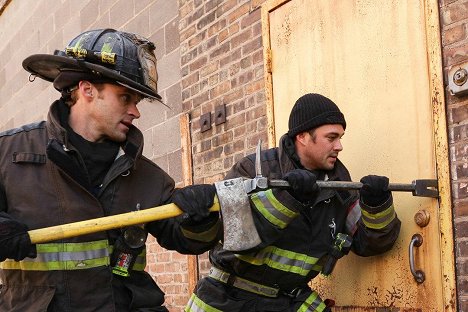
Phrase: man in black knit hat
{"type": "Point", "coordinates": [303, 230]}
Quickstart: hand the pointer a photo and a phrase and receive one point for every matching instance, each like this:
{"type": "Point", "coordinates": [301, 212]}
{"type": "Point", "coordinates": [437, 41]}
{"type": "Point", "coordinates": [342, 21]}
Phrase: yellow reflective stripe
{"type": "Point", "coordinates": [63, 256]}
{"type": "Point", "coordinates": [275, 212]}
{"type": "Point", "coordinates": [69, 256]}
{"type": "Point", "coordinates": [378, 220]}
{"type": "Point", "coordinates": [312, 304]}
{"type": "Point", "coordinates": [195, 304]}
{"type": "Point", "coordinates": [53, 265]}
{"type": "Point", "coordinates": [282, 260]}
{"type": "Point", "coordinates": [206, 236]}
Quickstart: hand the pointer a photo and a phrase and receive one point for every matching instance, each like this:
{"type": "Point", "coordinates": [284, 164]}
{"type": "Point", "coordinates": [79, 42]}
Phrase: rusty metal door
{"type": "Point", "coordinates": [380, 62]}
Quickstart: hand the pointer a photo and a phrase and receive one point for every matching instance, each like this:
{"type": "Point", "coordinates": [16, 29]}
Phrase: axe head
{"type": "Point", "coordinates": [240, 232]}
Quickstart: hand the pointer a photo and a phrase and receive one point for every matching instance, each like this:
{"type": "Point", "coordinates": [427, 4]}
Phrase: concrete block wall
{"type": "Point", "coordinates": [31, 27]}
{"type": "Point", "coordinates": [454, 36]}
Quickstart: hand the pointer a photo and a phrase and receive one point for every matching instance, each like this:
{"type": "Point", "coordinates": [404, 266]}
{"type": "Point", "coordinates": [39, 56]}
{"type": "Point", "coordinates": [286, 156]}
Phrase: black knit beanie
{"type": "Point", "coordinates": [313, 110]}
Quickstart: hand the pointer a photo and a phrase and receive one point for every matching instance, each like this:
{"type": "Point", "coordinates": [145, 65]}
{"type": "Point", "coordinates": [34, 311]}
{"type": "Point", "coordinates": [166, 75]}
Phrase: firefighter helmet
{"type": "Point", "coordinates": [104, 55]}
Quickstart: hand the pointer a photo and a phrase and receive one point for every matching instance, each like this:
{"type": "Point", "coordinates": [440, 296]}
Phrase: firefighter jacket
{"type": "Point", "coordinates": [297, 239]}
{"type": "Point", "coordinates": [42, 184]}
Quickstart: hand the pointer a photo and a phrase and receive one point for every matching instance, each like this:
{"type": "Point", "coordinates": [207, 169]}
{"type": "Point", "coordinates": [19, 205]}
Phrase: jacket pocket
{"type": "Point", "coordinates": [25, 298]}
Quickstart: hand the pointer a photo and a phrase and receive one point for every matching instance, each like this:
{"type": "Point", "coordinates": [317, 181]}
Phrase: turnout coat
{"type": "Point", "coordinates": [297, 239]}
{"type": "Point", "coordinates": [43, 183]}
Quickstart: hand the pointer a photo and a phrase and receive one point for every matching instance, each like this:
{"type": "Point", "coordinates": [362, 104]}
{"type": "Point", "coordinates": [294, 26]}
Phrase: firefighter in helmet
{"type": "Point", "coordinates": [84, 162]}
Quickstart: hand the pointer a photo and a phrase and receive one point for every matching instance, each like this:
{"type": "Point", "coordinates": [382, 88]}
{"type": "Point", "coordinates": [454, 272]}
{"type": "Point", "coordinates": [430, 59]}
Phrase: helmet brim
{"type": "Point", "coordinates": [48, 67]}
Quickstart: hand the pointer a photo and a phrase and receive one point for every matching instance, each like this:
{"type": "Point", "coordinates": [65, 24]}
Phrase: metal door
{"type": "Point", "coordinates": [380, 62]}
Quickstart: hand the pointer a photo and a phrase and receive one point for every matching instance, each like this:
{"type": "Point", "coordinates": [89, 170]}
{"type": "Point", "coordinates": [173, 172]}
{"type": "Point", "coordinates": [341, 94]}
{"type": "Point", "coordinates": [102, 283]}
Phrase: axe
{"type": "Point", "coordinates": [232, 200]}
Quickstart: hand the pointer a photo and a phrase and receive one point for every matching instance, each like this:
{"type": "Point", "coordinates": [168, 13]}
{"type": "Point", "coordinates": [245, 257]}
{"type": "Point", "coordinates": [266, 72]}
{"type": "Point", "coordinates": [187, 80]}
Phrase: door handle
{"type": "Point", "coordinates": [418, 275]}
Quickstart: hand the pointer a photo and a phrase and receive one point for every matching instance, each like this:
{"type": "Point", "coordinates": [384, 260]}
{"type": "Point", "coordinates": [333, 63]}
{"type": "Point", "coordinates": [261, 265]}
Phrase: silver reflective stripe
{"type": "Point", "coordinates": [275, 212]}
{"type": "Point", "coordinates": [243, 283]}
{"type": "Point", "coordinates": [63, 256]}
{"type": "Point", "coordinates": [378, 220]}
{"type": "Point", "coordinates": [70, 256]}
{"type": "Point", "coordinates": [354, 214]}
{"type": "Point", "coordinates": [283, 260]}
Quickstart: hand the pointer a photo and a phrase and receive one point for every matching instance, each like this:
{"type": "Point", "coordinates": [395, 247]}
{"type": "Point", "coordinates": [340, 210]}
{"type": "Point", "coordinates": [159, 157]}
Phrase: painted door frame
{"type": "Point", "coordinates": [437, 93]}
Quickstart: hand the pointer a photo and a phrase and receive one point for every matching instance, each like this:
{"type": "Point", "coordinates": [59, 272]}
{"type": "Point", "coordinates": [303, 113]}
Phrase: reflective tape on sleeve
{"type": "Point", "coordinates": [275, 212]}
{"type": "Point", "coordinates": [378, 220]}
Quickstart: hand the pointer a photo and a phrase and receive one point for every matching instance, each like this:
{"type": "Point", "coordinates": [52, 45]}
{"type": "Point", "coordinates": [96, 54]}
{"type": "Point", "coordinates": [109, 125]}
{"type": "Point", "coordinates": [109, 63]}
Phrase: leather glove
{"type": "Point", "coordinates": [14, 239]}
{"type": "Point", "coordinates": [195, 200]}
{"type": "Point", "coordinates": [303, 184]}
{"type": "Point", "coordinates": [374, 191]}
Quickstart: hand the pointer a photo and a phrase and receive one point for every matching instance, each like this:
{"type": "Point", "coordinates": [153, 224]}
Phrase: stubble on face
{"type": "Point", "coordinates": [318, 149]}
{"type": "Point", "coordinates": [114, 112]}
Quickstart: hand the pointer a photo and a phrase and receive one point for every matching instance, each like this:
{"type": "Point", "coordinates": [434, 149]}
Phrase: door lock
{"type": "Point", "coordinates": [458, 79]}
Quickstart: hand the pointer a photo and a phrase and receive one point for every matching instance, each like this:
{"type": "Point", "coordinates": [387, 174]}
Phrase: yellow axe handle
{"type": "Point", "coordinates": [52, 233]}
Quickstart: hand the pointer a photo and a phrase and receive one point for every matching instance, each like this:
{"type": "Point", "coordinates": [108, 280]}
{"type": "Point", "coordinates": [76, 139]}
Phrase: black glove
{"type": "Point", "coordinates": [303, 184]}
{"type": "Point", "coordinates": [195, 200]}
{"type": "Point", "coordinates": [374, 191]}
{"type": "Point", "coordinates": [14, 239]}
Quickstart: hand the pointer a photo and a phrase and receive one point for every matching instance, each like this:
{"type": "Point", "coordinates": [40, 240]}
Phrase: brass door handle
{"type": "Point", "coordinates": [419, 275]}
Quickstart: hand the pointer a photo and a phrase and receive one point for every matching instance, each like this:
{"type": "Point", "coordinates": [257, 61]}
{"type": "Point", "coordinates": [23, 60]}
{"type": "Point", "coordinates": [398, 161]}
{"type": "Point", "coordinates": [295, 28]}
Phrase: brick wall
{"type": "Point", "coordinates": [454, 25]}
{"type": "Point", "coordinates": [222, 64]}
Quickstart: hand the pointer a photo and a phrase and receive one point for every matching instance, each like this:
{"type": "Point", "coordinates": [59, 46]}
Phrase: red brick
{"type": "Point", "coordinates": [209, 69]}
{"type": "Point", "coordinates": [461, 208]}
{"type": "Point", "coordinates": [459, 114]}
{"type": "Point", "coordinates": [203, 97]}
{"type": "Point", "coordinates": [184, 10]}
{"type": "Point", "coordinates": [190, 80]}
{"type": "Point", "coordinates": [454, 34]}
{"type": "Point", "coordinates": [252, 46]}
{"type": "Point", "coordinates": [238, 13]}
{"type": "Point", "coordinates": [189, 56]}
{"type": "Point", "coordinates": [212, 4]}
{"type": "Point", "coordinates": [220, 89]}
{"type": "Point", "coordinates": [206, 20]}
{"type": "Point", "coordinates": [455, 12]}
{"type": "Point", "coordinates": [254, 86]}
{"type": "Point", "coordinates": [455, 55]}
{"type": "Point", "coordinates": [256, 4]}
{"type": "Point", "coordinates": [241, 38]}
{"type": "Point", "coordinates": [189, 32]}
{"type": "Point", "coordinates": [212, 154]}
{"type": "Point", "coordinates": [251, 18]}
{"type": "Point", "coordinates": [461, 229]}
{"type": "Point", "coordinates": [224, 48]}
{"type": "Point", "coordinates": [226, 6]}
{"type": "Point", "coordinates": [234, 121]}
{"type": "Point", "coordinates": [222, 139]}
{"type": "Point", "coordinates": [233, 96]}
{"type": "Point", "coordinates": [234, 147]}
{"type": "Point", "coordinates": [196, 40]}
{"type": "Point", "coordinates": [197, 64]}
{"type": "Point", "coordinates": [216, 27]}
